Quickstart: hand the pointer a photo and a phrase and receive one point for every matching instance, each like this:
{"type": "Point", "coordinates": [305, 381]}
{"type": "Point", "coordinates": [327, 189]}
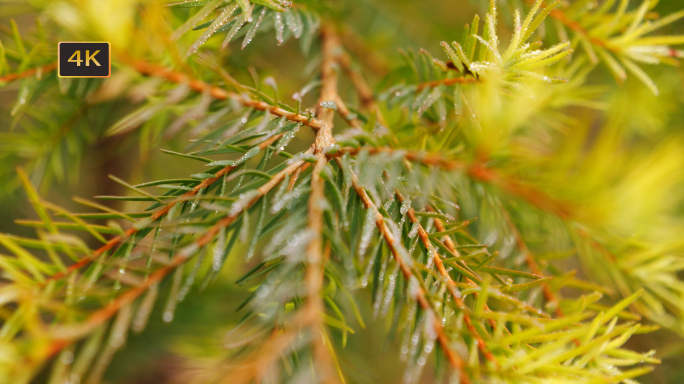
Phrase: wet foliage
{"type": "Point", "coordinates": [494, 213]}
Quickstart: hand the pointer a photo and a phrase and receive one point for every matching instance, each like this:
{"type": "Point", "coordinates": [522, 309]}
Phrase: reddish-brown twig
{"type": "Point", "coordinates": [479, 172]}
{"type": "Point", "coordinates": [426, 158]}
{"type": "Point", "coordinates": [316, 259]}
{"type": "Point", "coordinates": [419, 295]}
{"type": "Point", "coordinates": [155, 216]}
{"type": "Point", "coordinates": [363, 90]}
{"type": "Point", "coordinates": [221, 94]}
{"type": "Point", "coordinates": [100, 316]}
{"type": "Point", "coordinates": [449, 243]}
{"type": "Point", "coordinates": [29, 72]}
{"type": "Point", "coordinates": [574, 26]}
{"type": "Point", "coordinates": [531, 262]}
{"type": "Point", "coordinates": [449, 282]}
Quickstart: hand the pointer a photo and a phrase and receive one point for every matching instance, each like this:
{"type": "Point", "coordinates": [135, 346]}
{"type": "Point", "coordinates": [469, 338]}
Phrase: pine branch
{"type": "Point", "coordinates": [573, 25]}
{"type": "Point", "coordinates": [531, 262]}
{"type": "Point", "coordinates": [316, 267]}
{"type": "Point", "coordinates": [478, 172]}
{"type": "Point", "coordinates": [101, 316]}
{"type": "Point", "coordinates": [449, 243]}
{"type": "Point", "coordinates": [417, 292]}
{"type": "Point", "coordinates": [313, 225]}
{"type": "Point", "coordinates": [255, 197]}
{"type": "Point", "coordinates": [316, 259]}
{"type": "Point", "coordinates": [221, 94]}
{"type": "Point", "coordinates": [429, 159]}
{"type": "Point", "coordinates": [113, 242]}
{"type": "Point", "coordinates": [455, 294]}
{"type": "Point", "coordinates": [363, 90]}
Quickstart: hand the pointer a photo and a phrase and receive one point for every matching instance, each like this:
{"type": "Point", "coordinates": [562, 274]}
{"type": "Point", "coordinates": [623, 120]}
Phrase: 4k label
{"type": "Point", "coordinates": [84, 59]}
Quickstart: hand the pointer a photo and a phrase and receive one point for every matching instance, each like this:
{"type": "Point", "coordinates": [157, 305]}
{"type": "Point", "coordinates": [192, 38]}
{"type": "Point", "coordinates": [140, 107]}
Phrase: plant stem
{"type": "Point", "coordinates": [574, 26]}
{"type": "Point", "coordinates": [155, 216]}
{"type": "Point", "coordinates": [453, 358]}
{"type": "Point", "coordinates": [316, 259]}
{"type": "Point", "coordinates": [478, 172]}
{"type": "Point", "coordinates": [531, 262]}
{"type": "Point", "coordinates": [450, 283]}
{"type": "Point", "coordinates": [100, 316]}
{"type": "Point", "coordinates": [29, 72]}
{"type": "Point", "coordinates": [221, 94]}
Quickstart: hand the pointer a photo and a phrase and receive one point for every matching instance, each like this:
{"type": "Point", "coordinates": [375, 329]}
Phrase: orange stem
{"type": "Point", "coordinates": [419, 295]}
{"type": "Point", "coordinates": [29, 72]}
{"type": "Point", "coordinates": [155, 216]}
{"type": "Point", "coordinates": [451, 287]}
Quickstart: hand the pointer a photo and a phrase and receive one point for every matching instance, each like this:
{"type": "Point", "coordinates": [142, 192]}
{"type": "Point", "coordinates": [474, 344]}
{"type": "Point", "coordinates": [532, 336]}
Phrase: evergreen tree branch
{"type": "Point", "coordinates": [455, 294]}
{"type": "Point", "coordinates": [429, 159]}
{"type": "Point", "coordinates": [221, 94]}
{"type": "Point", "coordinates": [478, 172]}
{"type": "Point", "coordinates": [316, 261]}
{"type": "Point", "coordinates": [315, 257]}
{"type": "Point", "coordinates": [100, 316]}
{"type": "Point", "coordinates": [449, 243]}
{"type": "Point", "coordinates": [573, 25]}
{"type": "Point", "coordinates": [255, 197]}
{"type": "Point", "coordinates": [49, 306]}
{"type": "Point", "coordinates": [363, 90]}
{"type": "Point", "coordinates": [531, 262]}
{"type": "Point", "coordinates": [416, 291]}
{"type": "Point", "coordinates": [113, 242]}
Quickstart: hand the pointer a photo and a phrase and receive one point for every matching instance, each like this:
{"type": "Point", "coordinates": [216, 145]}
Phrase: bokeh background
{"type": "Point", "coordinates": [75, 159]}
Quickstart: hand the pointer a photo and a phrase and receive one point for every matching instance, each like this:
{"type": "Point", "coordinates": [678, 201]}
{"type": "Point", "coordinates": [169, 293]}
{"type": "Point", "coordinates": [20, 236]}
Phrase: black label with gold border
{"type": "Point", "coordinates": [84, 59]}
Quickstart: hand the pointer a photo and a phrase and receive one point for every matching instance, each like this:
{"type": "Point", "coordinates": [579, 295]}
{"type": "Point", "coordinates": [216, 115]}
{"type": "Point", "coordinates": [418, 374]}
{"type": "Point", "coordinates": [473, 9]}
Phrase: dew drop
{"type": "Point", "coordinates": [405, 206]}
{"type": "Point", "coordinates": [367, 230]}
{"type": "Point", "coordinates": [414, 230]}
{"type": "Point", "coordinates": [168, 316]}
{"type": "Point", "coordinates": [279, 27]}
{"type": "Point", "coordinates": [67, 357]}
{"type": "Point", "coordinates": [218, 23]}
{"type": "Point", "coordinates": [329, 105]}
